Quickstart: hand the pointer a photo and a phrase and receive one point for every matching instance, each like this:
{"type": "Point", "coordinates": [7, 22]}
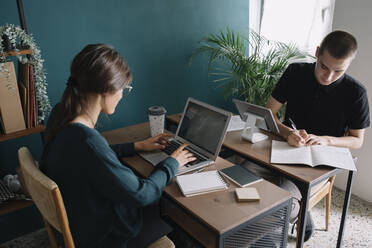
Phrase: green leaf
{"type": "Point", "coordinates": [250, 77]}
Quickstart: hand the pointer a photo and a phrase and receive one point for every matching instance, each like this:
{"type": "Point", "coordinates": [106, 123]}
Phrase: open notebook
{"type": "Point", "coordinates": [200, 183]}
{"type": "Point", "coordinates": [339, 157]}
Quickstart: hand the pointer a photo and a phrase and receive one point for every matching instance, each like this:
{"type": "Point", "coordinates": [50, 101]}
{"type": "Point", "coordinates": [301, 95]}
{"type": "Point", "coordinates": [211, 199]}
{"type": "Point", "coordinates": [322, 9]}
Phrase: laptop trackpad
{"type": "Point", "coordinates": [154, 157]}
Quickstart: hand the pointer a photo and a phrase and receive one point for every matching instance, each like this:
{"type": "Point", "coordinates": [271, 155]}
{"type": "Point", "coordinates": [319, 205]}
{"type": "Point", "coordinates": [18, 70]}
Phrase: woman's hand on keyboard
{"type": "Point", "coordinates": [153, 143]}
{"type": "Point", "coordinates": [182, 156]}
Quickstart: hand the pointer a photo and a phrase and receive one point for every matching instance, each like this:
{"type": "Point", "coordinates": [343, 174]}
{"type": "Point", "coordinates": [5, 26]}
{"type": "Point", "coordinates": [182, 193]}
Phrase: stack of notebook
{"type": "Point", "coordinates": [200, 183]}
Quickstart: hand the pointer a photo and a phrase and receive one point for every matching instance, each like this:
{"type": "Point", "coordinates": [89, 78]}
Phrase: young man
{"type": "Point", "coordinates": [327, 106]}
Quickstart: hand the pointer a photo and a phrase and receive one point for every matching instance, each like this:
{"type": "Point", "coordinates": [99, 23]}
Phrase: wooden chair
{"type": "Point", "coordinates": [324, 189]}
{"type": "Point", "coordinates": [47, 198]}
{"type": "Point", "coordinates": [163, 242]}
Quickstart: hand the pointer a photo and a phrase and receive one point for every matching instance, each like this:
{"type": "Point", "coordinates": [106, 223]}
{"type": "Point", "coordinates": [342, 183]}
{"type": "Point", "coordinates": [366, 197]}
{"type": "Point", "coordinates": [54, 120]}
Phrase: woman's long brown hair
{"type": "Point", "coordinates": [97, 69]}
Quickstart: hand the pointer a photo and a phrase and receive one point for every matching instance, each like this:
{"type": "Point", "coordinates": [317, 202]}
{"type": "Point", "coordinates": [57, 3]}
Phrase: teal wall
{"type": "Point", "coordinates": [156, 37]}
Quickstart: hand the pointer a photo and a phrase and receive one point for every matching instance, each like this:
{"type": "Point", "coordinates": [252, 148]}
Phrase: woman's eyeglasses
{"type": "Point", "coordinates": [127, 89]}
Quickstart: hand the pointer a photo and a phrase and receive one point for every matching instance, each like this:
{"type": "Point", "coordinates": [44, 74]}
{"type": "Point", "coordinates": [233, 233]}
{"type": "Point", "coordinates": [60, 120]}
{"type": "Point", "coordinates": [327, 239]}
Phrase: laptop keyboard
{"type": "Point", "coordinates": [172, 146]}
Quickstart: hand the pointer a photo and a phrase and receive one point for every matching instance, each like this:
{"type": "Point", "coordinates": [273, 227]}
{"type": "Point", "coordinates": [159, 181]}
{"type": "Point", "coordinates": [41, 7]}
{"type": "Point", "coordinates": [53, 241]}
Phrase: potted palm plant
{"type": "Point", "coordinates": [250, 75]}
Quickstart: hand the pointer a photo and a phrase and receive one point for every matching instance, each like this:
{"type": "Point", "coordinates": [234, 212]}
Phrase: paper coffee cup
{"type": "Point", "coordinates": [157, 119]}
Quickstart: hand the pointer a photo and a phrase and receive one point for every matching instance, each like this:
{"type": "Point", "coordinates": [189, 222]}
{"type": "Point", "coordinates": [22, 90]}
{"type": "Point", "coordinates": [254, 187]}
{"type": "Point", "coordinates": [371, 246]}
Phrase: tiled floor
{"type": "Point", "coordinates": [358, 231]}
{"type": "Point", "coordinates": [358, 228]}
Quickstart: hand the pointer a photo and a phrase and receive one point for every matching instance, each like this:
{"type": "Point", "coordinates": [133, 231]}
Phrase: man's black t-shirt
{"type": "Point", "coordinates": [319, 109]}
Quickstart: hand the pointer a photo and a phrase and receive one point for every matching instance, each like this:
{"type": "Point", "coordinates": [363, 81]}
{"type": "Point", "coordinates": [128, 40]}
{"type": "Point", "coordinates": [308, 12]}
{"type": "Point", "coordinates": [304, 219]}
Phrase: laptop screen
{"type": "Point", "coordinates": [202, 127]}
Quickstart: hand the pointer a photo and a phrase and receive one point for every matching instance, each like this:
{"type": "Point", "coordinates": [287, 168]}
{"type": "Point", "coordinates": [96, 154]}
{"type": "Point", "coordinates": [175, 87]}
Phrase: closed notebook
{"type": "Point", "coordinates": [199, 183]}
{"type": "Point", "coordinates": [240, 175]}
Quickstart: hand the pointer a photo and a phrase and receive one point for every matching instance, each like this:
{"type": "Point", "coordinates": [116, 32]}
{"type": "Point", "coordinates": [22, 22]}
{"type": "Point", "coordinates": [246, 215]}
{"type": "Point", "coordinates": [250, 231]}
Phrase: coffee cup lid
{"type": "Point", "coordinates": [156, 110]}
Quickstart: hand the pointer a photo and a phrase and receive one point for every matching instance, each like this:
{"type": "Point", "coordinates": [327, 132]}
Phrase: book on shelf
{"type": "Point", "coordinates": [24, 80]}
{"type": "Point", "coordinates": [27, 92]}
{"type": "Point", "coordinates": [1, 126]}
{"type": "Point", "coordinates": [201, 183]}
{"type": "Point", "coordinates": [10, 103]}
{"type": "Point", "coordinates": [32, 98]}
{"type": "Point", "coordinates": [23, 95]}
{"type": "Point", "coordinates": [339, 157]}
{"type": "Point", "coordinates": [240, 175]}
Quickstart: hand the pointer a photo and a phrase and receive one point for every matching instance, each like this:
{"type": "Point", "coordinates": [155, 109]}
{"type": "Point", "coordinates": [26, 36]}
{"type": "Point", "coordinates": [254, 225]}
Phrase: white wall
{"type": "Point", "coordinates": [355, 17]}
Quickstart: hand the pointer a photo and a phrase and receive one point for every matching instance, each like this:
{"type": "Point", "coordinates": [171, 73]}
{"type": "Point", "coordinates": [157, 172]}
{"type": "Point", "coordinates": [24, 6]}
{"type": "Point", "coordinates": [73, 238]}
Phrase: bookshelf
{"type": "Point", "coordinates": [18, 134]}
{"type": "Point", "coordinates": [14, 205]}
{"type": "Point", "coordinates": [18, 52]}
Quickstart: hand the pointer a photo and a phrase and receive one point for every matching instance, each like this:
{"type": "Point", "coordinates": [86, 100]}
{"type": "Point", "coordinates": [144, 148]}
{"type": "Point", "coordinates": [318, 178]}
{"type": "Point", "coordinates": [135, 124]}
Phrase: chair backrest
{"type": "Point", "coordinates": [45, 194]}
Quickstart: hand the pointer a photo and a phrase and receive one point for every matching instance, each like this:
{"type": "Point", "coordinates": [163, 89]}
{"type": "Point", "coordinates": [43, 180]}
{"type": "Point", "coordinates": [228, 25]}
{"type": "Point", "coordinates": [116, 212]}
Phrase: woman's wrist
{"type": "Point", "coordinates": [138, 146]}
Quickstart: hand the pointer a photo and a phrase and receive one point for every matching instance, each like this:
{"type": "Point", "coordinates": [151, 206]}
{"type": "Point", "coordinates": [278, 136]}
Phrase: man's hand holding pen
{"type": "Point", "coordinates": [300, 137]}
{"type": "Point", "coordinates": [297, 137]}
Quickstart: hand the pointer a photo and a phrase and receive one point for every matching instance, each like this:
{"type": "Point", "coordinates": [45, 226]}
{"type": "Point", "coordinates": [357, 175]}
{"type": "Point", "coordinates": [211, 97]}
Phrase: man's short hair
{"type": "Point", "coordinates": [339, 44]}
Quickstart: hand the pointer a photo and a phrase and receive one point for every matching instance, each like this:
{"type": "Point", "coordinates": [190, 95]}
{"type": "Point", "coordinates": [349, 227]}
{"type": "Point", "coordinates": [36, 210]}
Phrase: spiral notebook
{"type": "Point", "coordinates": [200, 183]}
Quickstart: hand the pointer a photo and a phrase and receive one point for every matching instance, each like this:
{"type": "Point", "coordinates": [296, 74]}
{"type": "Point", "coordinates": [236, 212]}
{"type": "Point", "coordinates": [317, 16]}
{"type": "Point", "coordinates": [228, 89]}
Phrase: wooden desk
{"type": "Point", "coordinates": [215, 219]}
{"type": "Point", "coordinates": [303, 176]}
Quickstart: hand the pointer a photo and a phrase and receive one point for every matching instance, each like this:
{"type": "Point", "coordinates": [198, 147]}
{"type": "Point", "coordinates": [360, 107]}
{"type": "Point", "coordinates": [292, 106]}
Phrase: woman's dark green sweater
{"type": "Point", "coordinates": [103, 197]}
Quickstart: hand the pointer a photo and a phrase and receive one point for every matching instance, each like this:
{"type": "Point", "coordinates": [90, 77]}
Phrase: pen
{"type": "Point", "coordinates": [296, 130]}
{"type": "Point", "coordinates": [292, 124]}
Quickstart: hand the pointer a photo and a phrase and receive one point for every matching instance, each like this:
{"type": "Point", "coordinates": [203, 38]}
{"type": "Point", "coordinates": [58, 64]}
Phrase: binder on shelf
{"type": "Point", "coordinates": [23, 77]}
{"type": "Point", "coordinates": [1, 126]}
{"type": "Point", "coordinates": [23, 95]}
{"type": "Point", "coordinates": [35, 109]}
{"type": "Point", "coordinates": [200, 183]}
{"type": "Point", "coordinates": [32, 98]}
{"type": "Point", "coordinates": [10, 103]}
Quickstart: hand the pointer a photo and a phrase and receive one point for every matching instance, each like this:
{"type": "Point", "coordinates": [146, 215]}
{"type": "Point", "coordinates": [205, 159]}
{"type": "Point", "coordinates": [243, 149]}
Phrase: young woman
{"type": "Point", "coordinates": [104, 199]}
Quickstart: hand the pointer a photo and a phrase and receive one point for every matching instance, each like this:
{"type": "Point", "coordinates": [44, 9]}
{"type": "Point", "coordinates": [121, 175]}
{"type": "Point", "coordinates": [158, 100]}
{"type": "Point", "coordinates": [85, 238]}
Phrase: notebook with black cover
{"type": "Point", "coordinates": [240, 175]}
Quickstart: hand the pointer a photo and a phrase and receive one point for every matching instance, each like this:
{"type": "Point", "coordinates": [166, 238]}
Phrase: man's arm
{"type": "Point", "coordinates": [353, 139]}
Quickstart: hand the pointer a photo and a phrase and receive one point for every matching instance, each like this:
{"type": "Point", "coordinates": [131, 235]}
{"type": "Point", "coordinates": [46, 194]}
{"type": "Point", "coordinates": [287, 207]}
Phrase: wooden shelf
{"type": "Point", "coordinates": [14, 205]}
{"type": "Point", "coordinates": [37, 129]}
{"type": "Point", "coordinates": [20, 52]}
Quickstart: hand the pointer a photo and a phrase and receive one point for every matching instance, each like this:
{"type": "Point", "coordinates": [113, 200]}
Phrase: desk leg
{"type": "Point", "coordinates": [305, 192]}
{"type": "Point", "coordinates": [344, 210]}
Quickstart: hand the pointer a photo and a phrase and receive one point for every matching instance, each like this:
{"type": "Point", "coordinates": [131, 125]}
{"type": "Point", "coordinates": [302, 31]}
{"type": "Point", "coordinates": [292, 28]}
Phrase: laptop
{"type": "Point", "coordinates": [203, 127]}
